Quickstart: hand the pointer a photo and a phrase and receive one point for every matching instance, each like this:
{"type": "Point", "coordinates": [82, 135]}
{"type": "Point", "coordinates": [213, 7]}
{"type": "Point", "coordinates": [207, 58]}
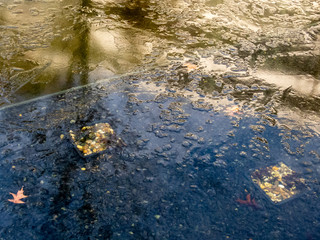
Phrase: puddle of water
{"type": "Point", "coordinates": [187, 159]}
{"type": "Point", "coordinates": [219, 88]}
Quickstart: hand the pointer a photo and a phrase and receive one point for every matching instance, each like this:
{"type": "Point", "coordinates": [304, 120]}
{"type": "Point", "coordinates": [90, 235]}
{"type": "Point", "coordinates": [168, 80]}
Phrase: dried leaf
{"type": "Point", "coordinates": [17, 197]}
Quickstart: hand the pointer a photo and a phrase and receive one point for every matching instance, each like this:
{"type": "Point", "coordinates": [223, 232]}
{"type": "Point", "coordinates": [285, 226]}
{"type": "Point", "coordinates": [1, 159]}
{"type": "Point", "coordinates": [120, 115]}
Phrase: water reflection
{"type": "Point", "coordinates": [244, 51]}
{"type": "Point", "coordinates": [80, 56]}
{"type": "Point", "coordinates": [68, 45]}
{"type": "Point", "coordinates": [84, 41]}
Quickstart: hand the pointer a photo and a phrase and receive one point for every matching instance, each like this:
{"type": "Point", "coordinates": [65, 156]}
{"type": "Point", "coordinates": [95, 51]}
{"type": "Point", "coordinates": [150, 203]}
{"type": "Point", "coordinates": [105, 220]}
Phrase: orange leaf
{"type": "Point", "coordinates": [17, 197]}
{"type": "Point", "coordinates": [190, 66]}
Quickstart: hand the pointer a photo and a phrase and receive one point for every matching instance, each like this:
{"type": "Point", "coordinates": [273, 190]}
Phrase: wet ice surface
{"type": "Point", "coordinates": [188, 158]}
{"type": "Point", "coordinates": [216, 90]}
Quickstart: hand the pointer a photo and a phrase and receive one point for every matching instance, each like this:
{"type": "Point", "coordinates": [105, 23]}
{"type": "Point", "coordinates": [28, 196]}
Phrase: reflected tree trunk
{"type": "Point", "coordinates": [79, 68]}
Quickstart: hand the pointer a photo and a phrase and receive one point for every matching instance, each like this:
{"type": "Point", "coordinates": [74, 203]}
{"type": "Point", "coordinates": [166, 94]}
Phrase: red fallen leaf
{"type": "Point", "coordinates": [249, 202]}
{"type": "Point", "coordinates": [17, 197]}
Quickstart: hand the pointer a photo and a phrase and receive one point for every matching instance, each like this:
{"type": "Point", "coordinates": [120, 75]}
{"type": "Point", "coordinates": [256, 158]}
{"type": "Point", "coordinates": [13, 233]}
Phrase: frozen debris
{"type": "Point", "coordinates": [95, 139]}
{"type": "Point", "coordinates": [279, 182]}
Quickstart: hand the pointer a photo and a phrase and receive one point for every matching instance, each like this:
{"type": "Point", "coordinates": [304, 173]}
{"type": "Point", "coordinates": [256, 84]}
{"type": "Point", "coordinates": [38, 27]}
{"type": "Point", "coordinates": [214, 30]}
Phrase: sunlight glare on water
{"type": "Point", "coordinates": [76, 42]}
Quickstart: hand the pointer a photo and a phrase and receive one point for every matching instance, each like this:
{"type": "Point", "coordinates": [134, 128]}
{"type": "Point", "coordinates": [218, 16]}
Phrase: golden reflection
{"type": "Point", "coordinates": [67, 36]}
{"type": "Point", "coordinates": [305, 84]}
{"type": "Point", "coordinates": [82, 41]}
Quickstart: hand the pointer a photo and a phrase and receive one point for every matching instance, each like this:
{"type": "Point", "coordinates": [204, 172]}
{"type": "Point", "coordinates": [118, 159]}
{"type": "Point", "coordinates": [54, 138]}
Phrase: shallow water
{"type": "Point", "coordinates": [202, 93]}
